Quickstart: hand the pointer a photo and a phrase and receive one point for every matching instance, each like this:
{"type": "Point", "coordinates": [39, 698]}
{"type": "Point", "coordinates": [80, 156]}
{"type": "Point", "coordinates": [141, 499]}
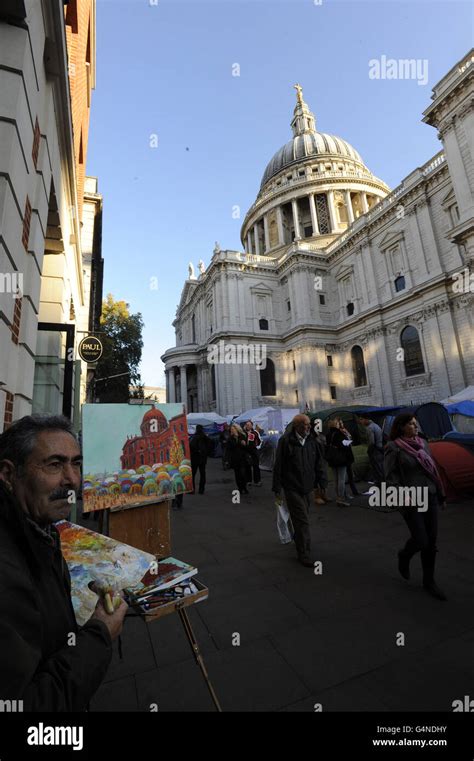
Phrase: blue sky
{"type": "Point", "coordinates": [166, 70]}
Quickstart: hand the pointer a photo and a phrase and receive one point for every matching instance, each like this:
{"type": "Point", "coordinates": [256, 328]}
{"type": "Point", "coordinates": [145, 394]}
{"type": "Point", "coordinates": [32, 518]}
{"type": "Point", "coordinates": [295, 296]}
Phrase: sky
{"type": "Point", "coordinates": [177, 140]}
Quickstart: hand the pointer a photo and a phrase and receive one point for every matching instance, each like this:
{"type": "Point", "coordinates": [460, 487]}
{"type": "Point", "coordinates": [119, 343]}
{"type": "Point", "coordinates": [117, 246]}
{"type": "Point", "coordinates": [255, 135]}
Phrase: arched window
{"type": "Point", "coordinates": [350, 308]}
{"type": "Point", "coordinates": [263, 324]}
{"type": "Point", "coordinates": [267, 379]}
{"type": "Point", "coordinates": [358, 366]}
{"type": "Point", "coordinates": [412, 356]}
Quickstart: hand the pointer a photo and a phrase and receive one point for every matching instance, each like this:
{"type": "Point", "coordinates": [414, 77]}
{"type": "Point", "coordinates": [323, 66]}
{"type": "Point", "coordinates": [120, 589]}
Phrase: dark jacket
{"type": "Point", "coordinates": [334, 438]}
{"type": "Point", "coordinates": [401, 469]}
{"type": "Point", "coordinates": [236, 451]}
{"type": "Point", "coordinates": [37, 665]}
{"type": "Point", "coordinates": [297, 468]}
{"type": "Point", "coordinates": [200, 446]}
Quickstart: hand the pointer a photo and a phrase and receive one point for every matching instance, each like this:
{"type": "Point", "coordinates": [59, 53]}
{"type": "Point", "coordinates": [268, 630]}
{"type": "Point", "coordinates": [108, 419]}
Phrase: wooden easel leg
{"type": "Point", "coordinates": [197, 654]}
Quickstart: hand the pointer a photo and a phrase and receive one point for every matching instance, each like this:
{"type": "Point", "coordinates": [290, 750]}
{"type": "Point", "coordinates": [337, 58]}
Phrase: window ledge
{"type": "Point", "coordinates": [415, 381]}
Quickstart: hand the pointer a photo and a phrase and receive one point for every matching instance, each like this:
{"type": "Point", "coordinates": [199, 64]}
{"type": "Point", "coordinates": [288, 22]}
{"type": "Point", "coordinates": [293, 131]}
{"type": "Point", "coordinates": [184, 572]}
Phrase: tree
{"type": "Point", "coordinates": [176, 454]}
{"type": "Point", "coordinates": [123, 343]}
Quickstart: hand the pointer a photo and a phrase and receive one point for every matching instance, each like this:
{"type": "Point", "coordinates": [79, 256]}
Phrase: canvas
{"type": "Point", "coordinates": [95, 557]}
{"type": "Point", "coordinates": [134, 454]}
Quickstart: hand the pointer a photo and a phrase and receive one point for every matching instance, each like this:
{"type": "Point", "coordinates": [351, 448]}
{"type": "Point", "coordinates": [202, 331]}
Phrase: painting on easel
{"type": "Point", "coordinates": [134, 454]}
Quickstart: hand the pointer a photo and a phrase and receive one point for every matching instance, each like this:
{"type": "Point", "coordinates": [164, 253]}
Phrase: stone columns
{"type": "Point", "coordinates": [314, 216]}
{"type": "Point", "coordinates": [457, 171]}
{"type": "Point", "coordinates": [249, 242]}
{"type": "Point", "coordinates": [350, 212]}
{"type": "Point", "coordinates": [281, 233]}
{"type": "Point", "coordinates": [171, 385]}
{"type": "Point", "coordinates": [365, 205]}
{"type": "Point", "coordinates": [184, 386]}
{"type": "Point", "coordinates": [296, 221]}
{"type": "Point", "coordinates": [332, 211]}
{"type": "Point", "coordinates": [266, 232]}
{"type": "Point", "coordinates": [257, 241]}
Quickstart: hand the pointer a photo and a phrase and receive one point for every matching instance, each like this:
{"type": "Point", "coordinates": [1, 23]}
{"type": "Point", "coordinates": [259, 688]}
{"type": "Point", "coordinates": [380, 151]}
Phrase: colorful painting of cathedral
{"type": "Point", "coordinates": [133, 454]}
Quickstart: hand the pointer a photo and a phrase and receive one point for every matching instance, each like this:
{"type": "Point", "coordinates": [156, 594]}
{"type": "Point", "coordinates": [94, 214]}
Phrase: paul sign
{"type": "Point", "coordinates": [90, 349]}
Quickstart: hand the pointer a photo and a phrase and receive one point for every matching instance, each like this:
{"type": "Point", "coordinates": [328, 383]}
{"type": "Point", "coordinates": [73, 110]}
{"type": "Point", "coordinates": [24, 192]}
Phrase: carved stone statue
{"type": "Point", "coordinates": [201, 267]}
{"type": "Point", "coordinates": [217, 248]}
{"type": "Point", "coordinates": [191, 275]}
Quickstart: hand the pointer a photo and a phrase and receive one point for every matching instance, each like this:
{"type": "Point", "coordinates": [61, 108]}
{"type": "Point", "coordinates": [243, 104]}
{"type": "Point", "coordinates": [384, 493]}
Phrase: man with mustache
{"type": "Point", "coordinates": [46, 660]}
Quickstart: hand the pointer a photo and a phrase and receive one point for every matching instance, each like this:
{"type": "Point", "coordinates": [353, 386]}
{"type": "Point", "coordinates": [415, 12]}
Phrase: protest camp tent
{"type": "Point", "coordinates": [466, 395]}
{"type": "Point", "coordinates": [269, 418]}
{"type": "Point", "coordinates": [455, 463]}
{"type": "Point", "coordinates": [462, 416]}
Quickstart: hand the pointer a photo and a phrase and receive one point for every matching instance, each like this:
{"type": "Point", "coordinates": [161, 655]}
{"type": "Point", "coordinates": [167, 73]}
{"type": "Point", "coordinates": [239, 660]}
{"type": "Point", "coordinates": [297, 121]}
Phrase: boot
{"type": "Point", "coordinates": [404, 557]}
{"type": "Point", "coordinates": [324, 496]}
{"type": "Point", "coordinates": [404, 564]}
{"type": "Point", "coordinates": [318, 500]}
{"type": "Point", "coordinates": [428, 558]}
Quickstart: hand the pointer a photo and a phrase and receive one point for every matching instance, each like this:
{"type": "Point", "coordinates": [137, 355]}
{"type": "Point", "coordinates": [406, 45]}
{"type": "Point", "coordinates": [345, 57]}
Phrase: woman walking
{"type": "Point", "coordinates": [408, 462]}
{"type": "Point", "coordinates": [237, 452]}
{"type": "Point", "coordinates": [350, 460]}
{"type": "Point", "coordinates": [338, 456]}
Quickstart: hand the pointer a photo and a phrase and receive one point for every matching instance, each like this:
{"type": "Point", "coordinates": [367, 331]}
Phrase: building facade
{"type": "Point", "coordinates": [47, 73]}
{"type": "Point", "coordinates": [354, 293]}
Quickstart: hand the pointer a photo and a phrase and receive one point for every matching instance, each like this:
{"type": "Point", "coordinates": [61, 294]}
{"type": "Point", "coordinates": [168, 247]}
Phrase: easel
{"type": "Point", "coordinates": [132, 526]}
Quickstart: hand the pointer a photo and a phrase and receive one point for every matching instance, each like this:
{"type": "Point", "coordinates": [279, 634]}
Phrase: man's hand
{"type": "Point", "coordinates": [113, 621]}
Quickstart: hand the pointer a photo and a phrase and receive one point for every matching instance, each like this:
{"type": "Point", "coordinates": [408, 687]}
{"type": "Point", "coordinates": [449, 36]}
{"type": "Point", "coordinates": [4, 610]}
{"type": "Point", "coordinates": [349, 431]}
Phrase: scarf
{"type": "Point", "coordinates": [415, 448]}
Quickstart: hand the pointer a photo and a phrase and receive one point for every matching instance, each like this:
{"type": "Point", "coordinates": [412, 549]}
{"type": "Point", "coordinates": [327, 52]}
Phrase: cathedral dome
{"type": "Point", "coordinates": [306, 145]}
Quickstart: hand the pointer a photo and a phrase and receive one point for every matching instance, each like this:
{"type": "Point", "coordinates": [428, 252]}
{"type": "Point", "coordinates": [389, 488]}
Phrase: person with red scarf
{"type": "Point", "coordinates": [408, 463]}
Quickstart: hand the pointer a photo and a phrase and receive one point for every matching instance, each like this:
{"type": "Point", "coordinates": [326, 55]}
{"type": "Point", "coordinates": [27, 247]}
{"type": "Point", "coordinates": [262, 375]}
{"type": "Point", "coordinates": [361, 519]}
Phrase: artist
{"type": "Point", "coordinates": [46, 660]}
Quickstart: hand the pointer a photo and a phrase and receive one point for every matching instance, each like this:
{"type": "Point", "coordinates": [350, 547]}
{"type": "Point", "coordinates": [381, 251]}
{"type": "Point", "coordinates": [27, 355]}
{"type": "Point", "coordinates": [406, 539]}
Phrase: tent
{"type": "Point", "coordinates": [462, 415]}
{"type": "Point", "coordinates": [269, 418]}
{"type": "Point", "coordinates": [466, 395]}
{"type": "Point", "coordinates": [204, 418]}
{"type": "Point", "coordinates": [456, 467]}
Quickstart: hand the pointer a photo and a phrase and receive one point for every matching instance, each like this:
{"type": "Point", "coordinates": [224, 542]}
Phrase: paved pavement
{"type": "Point", "coordinates": [304, 638]}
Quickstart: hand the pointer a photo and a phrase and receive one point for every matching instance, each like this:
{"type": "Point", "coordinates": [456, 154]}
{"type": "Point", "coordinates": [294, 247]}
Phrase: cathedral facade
{"type": "Point", "coordinates": [344, 292]}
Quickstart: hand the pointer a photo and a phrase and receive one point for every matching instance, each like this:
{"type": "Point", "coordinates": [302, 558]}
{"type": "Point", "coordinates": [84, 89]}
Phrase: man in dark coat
{"type": "Point", "coordinates": [200, 446]}
{"type": "Point", "coordinates": [298, 470]}
{"type": "Point", "coordinates": [46, 660]}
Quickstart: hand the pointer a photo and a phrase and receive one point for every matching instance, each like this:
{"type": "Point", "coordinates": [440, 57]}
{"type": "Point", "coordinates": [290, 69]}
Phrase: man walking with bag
{"type": "Point", "coordinates": [297, 470]}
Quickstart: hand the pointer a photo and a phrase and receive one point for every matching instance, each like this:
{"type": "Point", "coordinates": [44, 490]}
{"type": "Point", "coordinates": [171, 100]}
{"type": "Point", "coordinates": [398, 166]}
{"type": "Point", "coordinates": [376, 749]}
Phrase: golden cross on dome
{"type": "Point", "coordinates": [299, 93]}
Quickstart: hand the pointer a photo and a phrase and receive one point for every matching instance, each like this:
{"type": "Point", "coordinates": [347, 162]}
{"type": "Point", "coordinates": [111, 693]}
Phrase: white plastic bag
{"type": "Point", "coordinates": [284, 524]}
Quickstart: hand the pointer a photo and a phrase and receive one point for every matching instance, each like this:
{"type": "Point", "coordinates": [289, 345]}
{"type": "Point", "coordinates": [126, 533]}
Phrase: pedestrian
{"type": "Point", "coordinates": [408, 462]}
{"type": "Point", "coordinates": [200, 446]}
{"type": "Point", "coordinates": [375, 449]}
{"type": "Point", "coordinates": [237, 447]}
{"type": "Point", "coordinates": [224, 440]}
{"type": "Point", "coordinates": [350, 460]}
{"type": "Point", "coordinates": [253, 455]}
{"type": "Point", "coordinates": [297, 471]}
{"type": "Point", "coordinates": [339, 456]}
{"type": "Point", "coordinates": [40, 474]}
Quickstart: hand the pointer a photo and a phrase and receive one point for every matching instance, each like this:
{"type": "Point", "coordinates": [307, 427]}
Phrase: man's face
{"type": "Point", "coordinates": [303, 426]}
{"type": "Point", "coordinates": [45, 485]}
